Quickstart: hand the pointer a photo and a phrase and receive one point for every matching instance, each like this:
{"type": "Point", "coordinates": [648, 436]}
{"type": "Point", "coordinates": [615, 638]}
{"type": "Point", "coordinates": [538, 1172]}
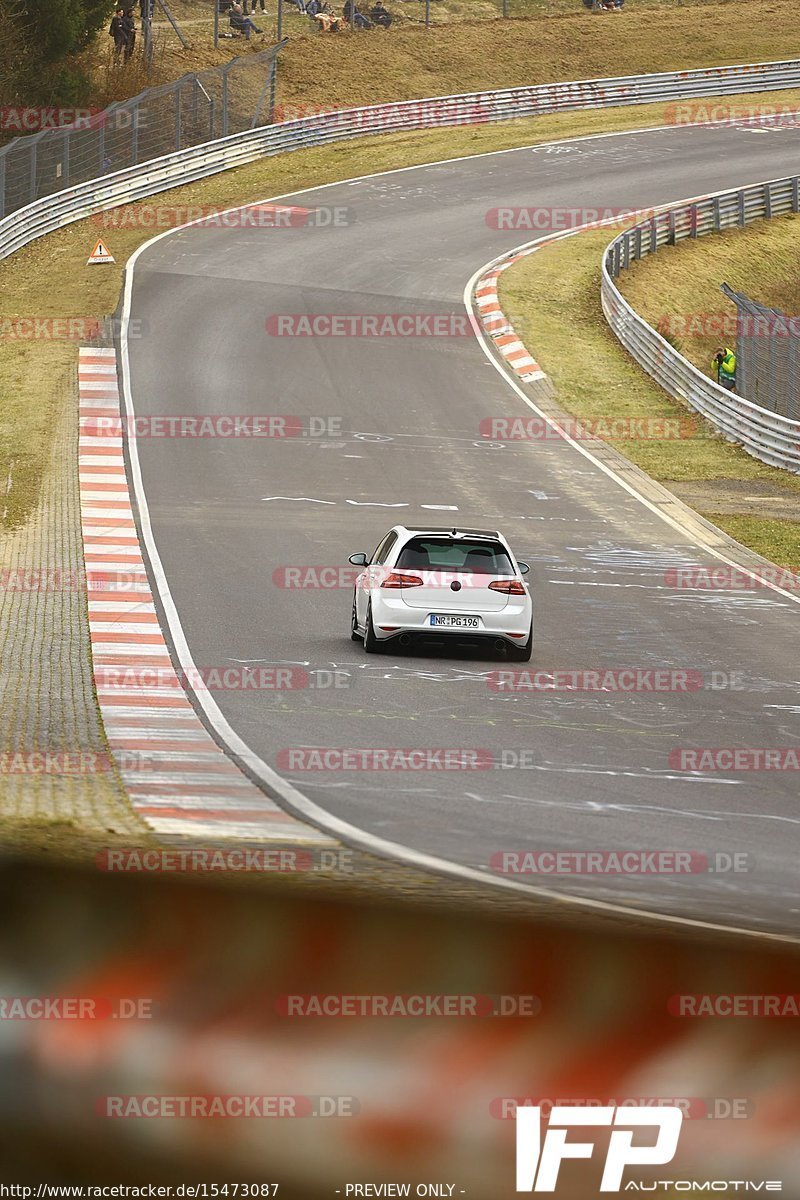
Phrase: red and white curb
{"type": "Point", "coordinates": [496, 324]}
{"type": "Point", "coordinates": [177, 777]}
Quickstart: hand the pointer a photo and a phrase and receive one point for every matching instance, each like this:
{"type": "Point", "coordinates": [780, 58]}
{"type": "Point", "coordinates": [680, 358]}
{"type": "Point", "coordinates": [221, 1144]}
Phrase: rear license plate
{"type": "Point", "coordinates": [453, 622]}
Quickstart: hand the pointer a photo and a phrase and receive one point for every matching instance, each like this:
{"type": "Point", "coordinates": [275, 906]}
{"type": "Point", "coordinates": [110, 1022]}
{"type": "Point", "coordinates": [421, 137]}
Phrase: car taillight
{"type": "Point", "coordinates": [511, 587]}
{"type": "Point", "coordinates": [396, 579]}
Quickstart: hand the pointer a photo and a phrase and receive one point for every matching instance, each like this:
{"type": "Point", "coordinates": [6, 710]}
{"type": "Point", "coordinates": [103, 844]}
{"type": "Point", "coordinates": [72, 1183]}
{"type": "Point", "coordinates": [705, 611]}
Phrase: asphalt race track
{"type": "Point", "coordinates": [227, 514]}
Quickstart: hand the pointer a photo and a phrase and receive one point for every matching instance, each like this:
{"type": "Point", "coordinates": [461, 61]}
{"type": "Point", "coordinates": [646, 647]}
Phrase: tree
{"type": "Point", "coordinates": [59, 28]}
{"type": "Point", "coordinates": [16, 59]}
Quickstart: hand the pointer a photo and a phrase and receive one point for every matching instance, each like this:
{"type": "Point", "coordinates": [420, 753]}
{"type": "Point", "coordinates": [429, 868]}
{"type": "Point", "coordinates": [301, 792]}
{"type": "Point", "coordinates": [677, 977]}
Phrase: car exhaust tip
{"type": "Point", "coordinates": [405, 639]}
{"type": "Point", "coordinates": [499, 644]}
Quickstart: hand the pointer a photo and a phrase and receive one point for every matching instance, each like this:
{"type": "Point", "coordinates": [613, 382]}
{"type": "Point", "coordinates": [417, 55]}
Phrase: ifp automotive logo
{"type": "Point", "coordinates": [538, 1162]}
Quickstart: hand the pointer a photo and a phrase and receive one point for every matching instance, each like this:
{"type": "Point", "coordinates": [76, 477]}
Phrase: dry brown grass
{"type": "Point", "coordinates": [548, 40]}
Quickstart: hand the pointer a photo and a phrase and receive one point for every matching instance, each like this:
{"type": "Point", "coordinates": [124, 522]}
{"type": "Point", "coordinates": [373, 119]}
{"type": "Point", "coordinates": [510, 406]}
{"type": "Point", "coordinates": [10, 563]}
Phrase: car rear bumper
{"type": "Point", "coordinates": [393, 620]}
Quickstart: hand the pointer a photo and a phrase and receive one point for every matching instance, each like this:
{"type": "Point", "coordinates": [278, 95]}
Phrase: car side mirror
{"type": "Point", "coordinates": [523, 568]}
{"type": "Point", "coordinates": [358, 560]}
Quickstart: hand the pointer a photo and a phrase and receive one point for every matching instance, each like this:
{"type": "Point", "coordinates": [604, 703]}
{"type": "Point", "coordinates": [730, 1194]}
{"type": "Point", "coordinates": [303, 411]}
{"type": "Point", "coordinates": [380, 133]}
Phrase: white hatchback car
{"type": "Point", "coordinates": [451, 586]}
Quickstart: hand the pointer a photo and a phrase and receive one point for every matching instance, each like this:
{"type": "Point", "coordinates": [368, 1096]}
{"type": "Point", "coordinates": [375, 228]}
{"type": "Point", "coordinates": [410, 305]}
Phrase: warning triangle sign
{"type": "Point", "coordinates": [100, 254]}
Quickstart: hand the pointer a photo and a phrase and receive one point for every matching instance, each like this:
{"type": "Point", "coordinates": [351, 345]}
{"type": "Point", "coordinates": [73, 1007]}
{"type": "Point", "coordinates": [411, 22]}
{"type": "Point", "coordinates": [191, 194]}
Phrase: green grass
{"type": "Point", "coordinates": [553, 296]}
{"type": "Point", "coordinates": [678, 289]}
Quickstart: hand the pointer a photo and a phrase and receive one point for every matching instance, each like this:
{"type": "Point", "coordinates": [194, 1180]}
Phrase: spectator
{"type": "Point", "coordinates": [326, 18]}
{"type": "Point", "coordinates": [313, 7]}
{"type": "Point", "coordinates": [240, 22]}
{"type": "Point", "coordinates": [129, 25]}
{"type": "Point", "coordinates": [146, 8]}
{"type": "Point", "coordinates": [353, 17]}
{"type": "Point", "coordinates": [116, 30]}
{"type": "Point", "coordinates": [380, 15]}
{"type": "Point", "coordinates": [725, 362]}
{"type": "Point", "coordinates": [263, 4]}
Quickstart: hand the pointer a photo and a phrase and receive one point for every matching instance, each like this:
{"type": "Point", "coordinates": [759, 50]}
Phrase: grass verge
{"type": "Point", "coordinates": [555, 294]}
{"type": "Point", "coordinates": [547, 40]}
{"type": "Point", "coordinates": [678, 289]}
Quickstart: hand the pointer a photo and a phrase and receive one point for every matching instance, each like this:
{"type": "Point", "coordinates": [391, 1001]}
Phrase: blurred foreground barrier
{"type": "Point", "coordinates": [255, 1033]}
{"type": "Point", "coordinates": [766, 434]}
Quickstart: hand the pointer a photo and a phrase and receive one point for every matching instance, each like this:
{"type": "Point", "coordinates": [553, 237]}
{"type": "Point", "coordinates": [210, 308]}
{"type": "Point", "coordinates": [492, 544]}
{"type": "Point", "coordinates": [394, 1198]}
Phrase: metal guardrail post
{"type": "Point", "coordinates": [32, 166]}
{"type": "Point", "coordinates": [225, 100]}
{"type": "Point", "coordinates": [269, 83]}
{"type": "Point", "coordinates": [742, 211]}
{"type": "Point", "coordinates": [134, 135]}
{"type": "Point", "coordinates": [793, 388]}
{"type": "Point", "coordinates": [177, 118]}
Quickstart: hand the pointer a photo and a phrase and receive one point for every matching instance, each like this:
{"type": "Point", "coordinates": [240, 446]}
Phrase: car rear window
{"type": "Point", "coordinates": [447, 554]}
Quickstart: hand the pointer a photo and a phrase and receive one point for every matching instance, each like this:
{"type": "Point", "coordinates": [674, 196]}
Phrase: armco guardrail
{"type": "Point", "coordinates": [767, 435]}
{"type": "Point", "coordinates": [145, 179]}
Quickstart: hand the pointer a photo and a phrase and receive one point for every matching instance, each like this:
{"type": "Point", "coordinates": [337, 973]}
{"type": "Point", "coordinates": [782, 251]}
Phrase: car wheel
{"type": "Point", "coordinates": [522, 653]}
{"type": "Point", "coordinates": [354, 634]}
{"type": "Point", "coordinates": [371, 643]}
